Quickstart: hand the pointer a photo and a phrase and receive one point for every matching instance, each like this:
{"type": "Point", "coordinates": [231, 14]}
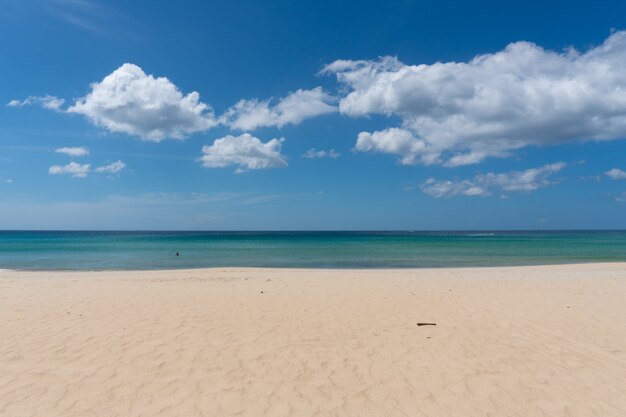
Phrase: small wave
{"type": "Point", "coordinates": [480, 234]}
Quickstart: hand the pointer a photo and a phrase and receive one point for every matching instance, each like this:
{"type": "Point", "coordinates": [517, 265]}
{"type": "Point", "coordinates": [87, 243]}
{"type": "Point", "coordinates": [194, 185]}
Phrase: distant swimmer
{"type": "Point", "coordinates": [177, 254]}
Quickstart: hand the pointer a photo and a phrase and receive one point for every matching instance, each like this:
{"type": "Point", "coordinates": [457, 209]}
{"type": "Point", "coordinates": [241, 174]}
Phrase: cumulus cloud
{"type": "Point", "coordinates": [47, 102]}
{"type": "Point", "coordinates": [73, 151]}
{"type": "Point", "coordinates": [113, 168]}
{"type": "Point", "coordinates": [314, 153]}
{"type": "Point", "coordinates": [616, 174]}
{"type": "Point", "coordinates": [132, 102]}
{"type": "Point", "coordinates": [459, 113]}
{"type": "Point", "coordinates": [245, 151]}
{"type": "Point", "coordinates": [74, 169]}
{"type": "Point", "coordinates": [292, 109]}
{"type": "Point", "coordinates": [396, 141]}
{"type": "Point", "coordinates": [486, 184]}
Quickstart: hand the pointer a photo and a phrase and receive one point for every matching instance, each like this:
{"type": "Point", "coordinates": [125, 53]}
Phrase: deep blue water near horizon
{"type": "Point", "coordinates": [126, 250]}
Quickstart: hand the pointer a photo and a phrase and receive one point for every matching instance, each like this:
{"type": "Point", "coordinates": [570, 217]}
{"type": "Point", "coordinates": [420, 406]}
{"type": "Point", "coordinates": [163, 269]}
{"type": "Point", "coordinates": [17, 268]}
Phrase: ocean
{"type": "Point", "coordinates": [87, 250]}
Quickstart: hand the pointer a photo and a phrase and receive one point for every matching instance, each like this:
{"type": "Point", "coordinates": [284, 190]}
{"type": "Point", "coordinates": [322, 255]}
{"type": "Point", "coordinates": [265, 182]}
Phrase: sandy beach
{"type": "Point", "coordinates": [519, 341]}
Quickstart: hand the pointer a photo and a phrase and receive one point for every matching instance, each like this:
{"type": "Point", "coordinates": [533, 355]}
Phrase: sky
{"type": "Point", "coordinates": [325, 115]}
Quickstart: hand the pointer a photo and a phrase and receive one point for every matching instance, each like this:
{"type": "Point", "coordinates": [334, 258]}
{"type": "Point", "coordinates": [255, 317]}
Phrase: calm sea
{"type": "Point", "coordinates": [157, 250]}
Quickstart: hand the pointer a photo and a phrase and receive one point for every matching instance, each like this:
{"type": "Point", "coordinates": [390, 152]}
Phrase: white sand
{"type": "Point", "coordinates": [529, 341]}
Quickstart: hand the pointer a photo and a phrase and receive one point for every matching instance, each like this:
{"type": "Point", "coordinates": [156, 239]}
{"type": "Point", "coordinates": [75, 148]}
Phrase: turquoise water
{"type": "Point", "coordinates": [157, 250]}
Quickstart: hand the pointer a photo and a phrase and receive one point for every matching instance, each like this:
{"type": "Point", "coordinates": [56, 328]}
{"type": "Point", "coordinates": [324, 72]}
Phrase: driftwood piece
{"type": "Point", "coordinates": [426, 324]}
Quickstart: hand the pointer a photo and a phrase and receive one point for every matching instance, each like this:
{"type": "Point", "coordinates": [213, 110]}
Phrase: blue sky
{"type": "Point", "coordinates": [290, 115]}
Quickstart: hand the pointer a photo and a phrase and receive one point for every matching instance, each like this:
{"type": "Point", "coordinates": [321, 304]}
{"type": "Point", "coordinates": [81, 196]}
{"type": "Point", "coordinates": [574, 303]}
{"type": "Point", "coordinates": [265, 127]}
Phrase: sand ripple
{"type": "Point", "coordinates": [544, 341]}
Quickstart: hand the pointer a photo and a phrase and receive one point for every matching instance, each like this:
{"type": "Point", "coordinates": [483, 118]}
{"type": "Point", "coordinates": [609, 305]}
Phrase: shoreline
{"type": "Point", "coordinates": [528, 341]}
{"type": "Point", "coordinates": [583, 264]}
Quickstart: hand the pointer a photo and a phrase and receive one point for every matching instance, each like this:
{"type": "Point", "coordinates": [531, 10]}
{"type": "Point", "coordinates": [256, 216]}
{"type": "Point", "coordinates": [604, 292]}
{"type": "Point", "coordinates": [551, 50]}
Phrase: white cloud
{"type": "Point", "coordinates": [113, 168]}
{"type": "Point", "coordinates": [395, 141]}
{"type": "Point", "coordinates": [459, 113]}
{"type": "Point", "coordinates": [154, 109]}
{"type": "Point", "coordinates": [447, 188]}
{"type": "Point", "coordinates": [314, 153]}
{"type": "Point", "coordinates": [74, 169]}
{"type": "Point", "coordinates": [81, 170]}
{"type": "Point", "coordinates": [292, 109]}
{"type": "Point", "coordinates": [616, 174]}
{"type": "Point", "coordinates": [8, 181]}
{"type": "Point", "coordinates": [75, 151]}
{"type": "Point", "coordinates": [47, 102]}
{"type": "Point", "coordinates": [245, 151]}
{"type": "Point", "coordinates": [343, 65]}
{"type": "Point", "coordinates": [485, 184]}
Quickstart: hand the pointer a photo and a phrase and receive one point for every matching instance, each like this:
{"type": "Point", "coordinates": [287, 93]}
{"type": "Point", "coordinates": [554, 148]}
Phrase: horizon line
{"type": "Point", "coordinates": [313, 230]}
